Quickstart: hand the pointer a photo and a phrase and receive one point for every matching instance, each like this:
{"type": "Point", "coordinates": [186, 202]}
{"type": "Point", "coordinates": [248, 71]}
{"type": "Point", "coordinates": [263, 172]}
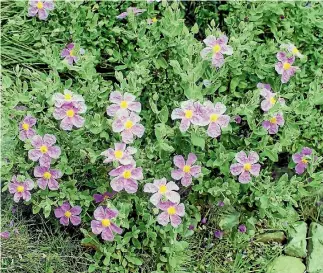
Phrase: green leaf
{"type": "Point", "coordinates": [163, 114]}
{"type": "Point", "coordinates": [229, 221]}
{"type": "Point", "coordinates": [198, 140]}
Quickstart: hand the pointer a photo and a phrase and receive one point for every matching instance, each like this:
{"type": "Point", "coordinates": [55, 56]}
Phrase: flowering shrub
{"type": "Point", "coordinates": [238, 117]}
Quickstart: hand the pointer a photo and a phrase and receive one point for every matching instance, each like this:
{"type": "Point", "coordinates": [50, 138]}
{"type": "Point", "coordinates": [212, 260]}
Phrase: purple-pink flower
{"type": "Point", "coordinates": [302, 159]}
{"type": "Point", "coordinates": [284, 66]}
{"type": "Point", "coordinates": [242, 229]}
{"type": "Point", "coordinates": [190, 112]}
{"type": "Point", "coordinates": [65, 213]}
{"type": "Point", "coordinates": [126, 178]}
{"type": "Point", "coordinates": [292, 49]}
{"type": "Point", "coordinates": [162, 191]}
{"type": "Point", "coordinates": [98, 198]}
{"type": "Point", "coordinates": [70, 115]}
{"type": "Point", "coordinates": [70, 55]}
{"type": "Point", "coordinates": [121, 153]}
{"type": "Point", "coordinates": [171, 212]}
{"type": "Point", "coordinates": [44, 151]}
{"type": "Point", "coordinates": [269, 96]}
{"type": "Point", "coordinates": [129, 127]}
{"type": "Point", "coordinates": [186, 169]}
{"type": "Point", "coordinates": [48, 177]}
{"type": "Point", "coordinates": [67, 98]}
{"type": "Point", "coordinates": [25, 128]}
{"type": "Point", "coordinates": [21, 189]}
{"type": "Point", "coordinates": [213, 116]}
{"type": "Point", "coordinates": [246, 165]}
{"type": "Point", "coordinates": [272, 125]}
{"type": "Point", "coordinates": [5, 234]}
{"type": "Point", "coordinates": [103, 224]}
{"type": "Point", "coordinates": [218, 234]}
{"type": "Point", "coordinates": [216, 47]}
{"type": "Point", "coordinates": [122, 104]}
{"type": "Point", "coordinates": [40, 7]}
{"type": "Point", "coordinates": [134, 10]}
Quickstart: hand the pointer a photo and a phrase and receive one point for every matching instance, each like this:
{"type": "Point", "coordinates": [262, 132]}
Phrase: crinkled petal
{"type": "Point", "coordinates": [172, 196]}
{"type": "Point", "coordinates": [163, 218]}
{"type": "Point", "coordinates": [96, 227]}
{"type": "Point", "coordinates": [117, 184]}
{"type": "Point", "coordinates": [179, 161]}
{"type": "Point", "coordinates": [175, 220]}
{"type": "Point", "coordinates": [241, 157]}
{"type": "Point", "coordinates": [253, 157]}
{"type": "Point", "coordinates": [255, 169]}
{"type": "Point", "coordinates": [244, 177]}
{"type": "Point", "coordinates": [54, 152]}
{"type": "Point", "coordinates": [177, 174]}
{"type": "Point", "coordinates": [236, 168]}
{"type": "Point", "coordinates": [43, 14]}
{"type": "Point", "coordinates": [75, 220]}
{"type": "Point", "coordinates": [130, 186]}
{"type": "Point", "coordinates": [214, 130]}
{"type": "Point", "coordinates": [107, 234]}
{"type": "Point", "coordinates": [191, 159]}
{"type": "Point", "coordinates": [186, 180]}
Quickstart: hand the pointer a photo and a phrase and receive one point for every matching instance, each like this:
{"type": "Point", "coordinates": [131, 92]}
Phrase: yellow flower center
{"type": "Point", "coordinates": [154, 20]}
{"type": "Point", "coordinates": [295, 51]}
{"type": "Point", "coordinates": [20, 188]}
{"type": "Point", "coordinates": [216, 48]}
{"type": "Point", "coordinates": [118, 154]}
{"type": "Point", "coordinates": [247, 167]}
{"type": "Point", "coordinates": [188, 113]}
{"type": "Point", "coordinates": [67, 214]}
{"type": "Point", "coordinates": [70, 113]}
{"type": "Point", "coordinates": [214, 117]}
{"type": "Point", "coordinates": [72, 53]}
{"type": "Point", "coordinates": [43, 149]}
{"type": "Point", "coordinates": [273, 120]}
{"type": "Point", "coordinates": [25, 126]}
{"type": "Point", "coordinates": [304, 160]}
{"type": "Point", "coordinates": [272, 100]}
{"type": "Point", "coordinates": [40, 5]}
{"type": "Point", "coordinates": [123, 104]}
{"type": "Point", "coordinates": [68, 97]}
{"type": "Point", "coordinates": [186, 169]}
{"type": "Point", "coordinates": [171, 210]}
{"type": "Point", "coordinates": [128, 124]}
{"type": "Point", "coordinates": [105, 222]}
{"type": "Point", "coordinates": [47, 175]}
{"type": "Point", "coordinates": [127, 174]}
{"type": "Point", "coordinates": [287, 66]}
{"type": "Point", "coordinates": [162, 189]}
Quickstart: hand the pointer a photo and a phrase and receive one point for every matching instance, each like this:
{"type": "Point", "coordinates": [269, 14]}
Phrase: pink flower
{"type": "Point", "coordinates": [121, 154]}
{"type": "Point", "coordinates": [151, 21]}
{"type": "Point", "coordinates": [216, 47]}
{"type": "Point", "coordinates": [190, 112]}
{"type": "Point", "coordinates": [171, 212]}
{"type": "Point", "coordinates": [246, 165]}
{"type": "Point", "coordinates": [5, 234]}
{"type": "Point", "coordinates": [272, 125]}
{"type": "Point", "coordinates": [213, 115]}
{"type": "Point", "coordinates": [98, 198]}
{"type": "Point", "coordinates": [48, 177]}
{"type": "Point", "coordinates": [69, 114]}
{"type": "Point", "coordinates": [129, 127]}
{"type": "Point", "coordinates": [65, 213]}
{"type": "Point", "coordinates": [41, 7]}
{"type": "Point", "coordinates": [122, 104]}
{"type": "Point", "coordinates": [269, 96]}
{"type": "Point", "coordinates": [67, 98]}
{"type": "Point", "coordinates": [133, 10]}
{"type": "Point", "coordinates": [103, 224]}
{"type": "Point", "coordinates": [44, 150]}
{"type": "Point", "coordinates": [70, 55]}
{"type": "Point", "coordinates": [21, 189]}
{"type": "Point", "coordinates": [126, 178]}
{"type": "Point", "coordinates": [292, 49]}
{"type": "Point", "coordinates": [301, 159]}
{"type": "Point", "coordinates": [162, 191]}
{"type": "Point", "coordinates": [26, 131]}
{"type": "Point", "coordinates": [186, 169]}
{"type": "Point", "coordinates": [284, 66]}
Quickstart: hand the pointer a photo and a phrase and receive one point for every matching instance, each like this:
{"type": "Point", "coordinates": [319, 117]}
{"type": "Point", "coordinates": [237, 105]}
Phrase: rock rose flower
{"type": "Point", "coordinates": [25, 128]}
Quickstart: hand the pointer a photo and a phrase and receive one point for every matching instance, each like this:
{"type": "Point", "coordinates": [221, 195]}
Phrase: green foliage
{"type": "Point", "coordinates": [161, 64]}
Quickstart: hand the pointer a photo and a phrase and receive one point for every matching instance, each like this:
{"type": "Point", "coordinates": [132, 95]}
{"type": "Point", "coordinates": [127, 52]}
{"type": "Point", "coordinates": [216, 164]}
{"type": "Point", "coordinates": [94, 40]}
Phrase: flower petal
{"type": "Point", "coordinates": [244, 177]}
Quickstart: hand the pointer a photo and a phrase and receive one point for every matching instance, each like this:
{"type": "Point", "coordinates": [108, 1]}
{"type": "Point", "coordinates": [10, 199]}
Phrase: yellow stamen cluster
{"type": "Point", "coordinates": [25, 126]}
{"type": "Point", "coordinates": [43, 149]}
{"type": "Point", "coordinates": [70, 113]}
{"type": "Point", "coordinates": [188, 114]}
{"type": "Point", "coordinates": [128, 124]}
{"type": "Point", "coordinates": [247, 167]}
{"type": "Point", "coordinates": [186, 169]}
{"type": "Point", "coordinates": [171, 210]}
{"type": "Point", "coordinates": [216, 48]}
{"type": "Point", "coordinates": [273, 120]}
{"type": "Point", "coordinates": [67, 214]}
{"type": "Point", "coordinates": [47, 175]}
{"type": "Point", "coordinates": [40, 5]}
{"type": "Point", "coordinates": [295, 51]}
{"type": "Point", "coordinates": [272, 100]}
{"type": "Point", "coordinates": [154, 20]}
{"type": "Point", "coordinates": [126, 174]}
{"type": "Point", "coordinates": [214, 117]}
{"type": "Point", "coordinates": [72, 53]}
{"type": "Point", "coordinates": [286, 66]}
{"type": "Point", "coordinates": [68, 97]}
{"type": "Point", "coordinates": [304, 160]}
{"type": "Point", "coordinates": [118, 154]}
{"type": "Point", "coordinates": [20, 189]}
{"type": "Point", "coordinates": [162, 189]}
{"type": "Point", "coordinates": [123, 104]}
{"type": "Point", "coordinates": [105, 222]}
